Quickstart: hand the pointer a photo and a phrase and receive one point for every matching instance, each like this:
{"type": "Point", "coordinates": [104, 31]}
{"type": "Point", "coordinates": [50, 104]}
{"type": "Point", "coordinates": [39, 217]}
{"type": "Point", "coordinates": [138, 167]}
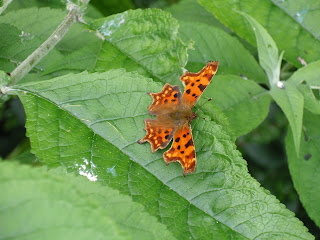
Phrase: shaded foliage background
{"type": "Point", "coordinates": [263, 148]}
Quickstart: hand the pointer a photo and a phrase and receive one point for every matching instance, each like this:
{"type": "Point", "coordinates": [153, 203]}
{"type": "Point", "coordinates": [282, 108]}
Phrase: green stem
{"type": "Point", "coordinates": [46, 47]}
{"type": "Point", "coordinates": [5, 5]}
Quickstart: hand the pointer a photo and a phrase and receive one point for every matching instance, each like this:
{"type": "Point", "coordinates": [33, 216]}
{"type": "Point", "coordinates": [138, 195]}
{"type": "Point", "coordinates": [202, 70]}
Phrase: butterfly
{"type": "Point", "coordinates": [173, 112]}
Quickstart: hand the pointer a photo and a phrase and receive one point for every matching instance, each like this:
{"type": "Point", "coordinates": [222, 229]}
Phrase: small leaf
{"type": "Point", "coordinates": [290, 35]}
{"type": "Point", "coordinates": [214, 44]}
{"type": "Point", "coordinates": [306, 79]}
{"type": "Point", "coordinates": [309, 74]}
{"type": "Point", "coordinates": [267, 50]}
{"type": "Point", "coordinates": [90, 123]}
{"type": "Point", "coordinates": [291, 102]}
{"type": "Point", "coordinates": [4, 79]}
{"type": "Point", "coordinates": [304, 169]}
{"type": "Point", "coordinates": [245, 103]}
{"type": "Point", "coordinates": [38, 204]}
{"type": "Point", "coordinates": [142, 40]}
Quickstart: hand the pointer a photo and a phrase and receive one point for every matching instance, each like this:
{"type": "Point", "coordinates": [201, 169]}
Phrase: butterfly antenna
{"type": "Point", "coordinates": [208, 100]}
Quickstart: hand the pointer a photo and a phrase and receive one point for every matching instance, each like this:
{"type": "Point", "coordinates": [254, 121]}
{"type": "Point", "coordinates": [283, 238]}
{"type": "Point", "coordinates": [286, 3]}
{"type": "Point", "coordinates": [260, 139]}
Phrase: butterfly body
{"type": "Point", "coordinates": [173, 112]}
{"type": "Point", "coordinates": [181, 116]}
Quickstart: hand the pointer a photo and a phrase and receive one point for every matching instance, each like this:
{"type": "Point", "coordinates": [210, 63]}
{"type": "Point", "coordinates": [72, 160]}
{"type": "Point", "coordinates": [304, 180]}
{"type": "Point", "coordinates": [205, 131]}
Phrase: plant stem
{"type": "Point", "coordinates": [5, 5]}
{"type": "Point", "coordinates": [46, 47]}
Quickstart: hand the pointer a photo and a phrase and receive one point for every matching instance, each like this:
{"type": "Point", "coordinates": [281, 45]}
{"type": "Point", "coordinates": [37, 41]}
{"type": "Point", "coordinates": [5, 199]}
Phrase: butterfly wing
{"type": "Point", "coordinates": [196, 83]}
{"type": "Point", "coordinates": [158, 134]}
{"type": "Point", "coordinates": [166, 100]}
{"type": "Point", "coordinates": [182, 150]}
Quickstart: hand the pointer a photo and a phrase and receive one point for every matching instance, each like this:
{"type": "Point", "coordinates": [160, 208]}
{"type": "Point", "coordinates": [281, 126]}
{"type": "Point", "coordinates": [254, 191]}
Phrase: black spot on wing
{"type": "Point", "coordinates": [201, 87]}
{"type": "Point", "coordinates": [189, 143]}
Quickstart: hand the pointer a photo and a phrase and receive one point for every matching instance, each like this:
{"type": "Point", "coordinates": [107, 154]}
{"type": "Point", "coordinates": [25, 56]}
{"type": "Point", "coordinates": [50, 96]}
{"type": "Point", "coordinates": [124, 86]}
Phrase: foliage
{"type": "Point", "coordinates": [85, 102]}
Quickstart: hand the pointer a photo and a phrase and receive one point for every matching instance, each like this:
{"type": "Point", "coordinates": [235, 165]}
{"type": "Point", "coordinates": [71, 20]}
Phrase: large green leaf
{"type": "Point", "coordinates": [191, 10]}
{"type": "Point", "coordinates": [142, 40]}
{"type": "Point", "coordinates": [290, 100]}
{"type": "Point", "coordinates": [90, 123]}
{"type": "Point", "coordinates": [37, 204]}
{"type": "Point", "coordinates": [214, 44]}
{"type": "Point", "coordinates": [289, 34]}
{"type": "Point", "coordinates": [245, 103]}
{"type": "Point", "coordinates": [305, 13]}
{"type": "Point", "coordinates": [306, 79]}
{"type": "Point", "coordinates": [305, 168]}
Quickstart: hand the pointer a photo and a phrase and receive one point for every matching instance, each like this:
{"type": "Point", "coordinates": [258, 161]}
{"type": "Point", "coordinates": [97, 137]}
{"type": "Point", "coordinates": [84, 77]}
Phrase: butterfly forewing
{"type": "Point", "coordinates": [196, 83]}
{"type": "Point", "coordinates": [169, 97]}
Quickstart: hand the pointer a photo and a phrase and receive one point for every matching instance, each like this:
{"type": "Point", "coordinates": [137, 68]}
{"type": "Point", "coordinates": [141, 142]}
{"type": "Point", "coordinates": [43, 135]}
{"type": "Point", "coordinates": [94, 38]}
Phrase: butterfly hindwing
{"type": "Point", "coordinates": [157, 134]}
{"type": "Point", "coordinates": [196, 83]}
{"type": "Point", "coordinates": [182, 149]}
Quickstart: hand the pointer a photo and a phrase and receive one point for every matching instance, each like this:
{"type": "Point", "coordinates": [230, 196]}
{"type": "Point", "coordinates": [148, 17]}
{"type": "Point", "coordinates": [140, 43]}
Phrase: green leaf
{"type": "Point", "coordinates": [37, 22]}
{"type": "Point", "coordinates": [245, 103]}
{"type": "Point", "coordinates": [191, 10]}
{"type": "Point", "coordinates": [214, 44]}
{"type": "Point", "coordinates": [290, 100]}
{"type": "Point", "coordinates": [142, 40]}
{"type": "Point", "coordinates": [77, 51]}
{"type": "Point", "coordinates": [304, 14]}
{"type": "Point", "coordinates": [309, 74]}
{"type": "Point", "coordinates": [38, 204]}
{"type": "Point", "coordinates": [304, 169]}
{"type": "Point", "coordinates": [288, 33]}
{"type": "Point", "coordinates": [306, 79]}
{"type": "Point", "coordinates": [267, 50]}
{"type": "Point", "coordinates": [108, 7]}
{"type": "Point", "coordinates": [16, 45]}
{"type": "Point", "coordinates": [4, 79]}
{"type": "Point", "coordinates": [19, 4]}
{"type": "Point", "coordinates": [95, 120]}
{"type": "Point", "coordinates": [60, 4]}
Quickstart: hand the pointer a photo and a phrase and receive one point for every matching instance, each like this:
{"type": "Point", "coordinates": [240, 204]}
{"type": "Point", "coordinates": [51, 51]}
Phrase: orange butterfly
{"type": "Point", "coordinates": [174, 114]}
